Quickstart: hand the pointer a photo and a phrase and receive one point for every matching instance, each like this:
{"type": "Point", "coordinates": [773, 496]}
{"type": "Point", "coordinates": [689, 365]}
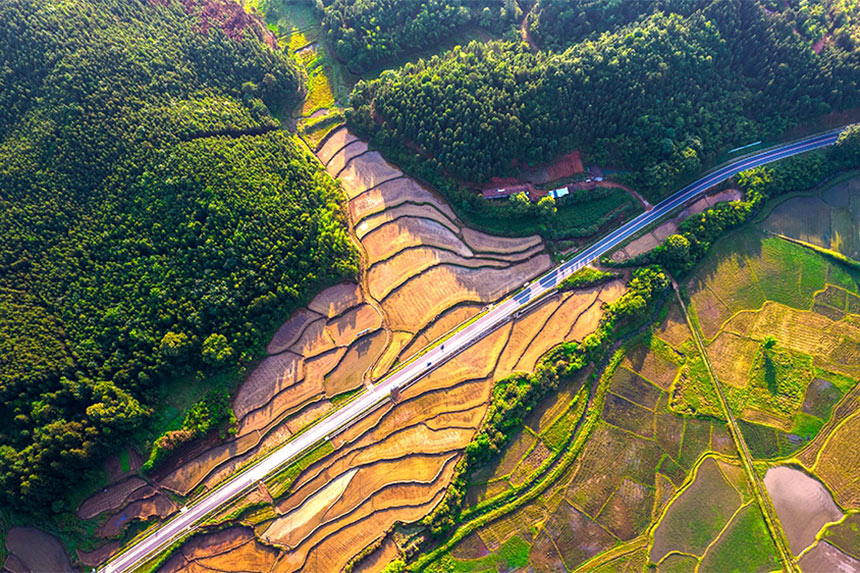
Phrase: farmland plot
{"type": "Point", "coordinates": [424, 273]}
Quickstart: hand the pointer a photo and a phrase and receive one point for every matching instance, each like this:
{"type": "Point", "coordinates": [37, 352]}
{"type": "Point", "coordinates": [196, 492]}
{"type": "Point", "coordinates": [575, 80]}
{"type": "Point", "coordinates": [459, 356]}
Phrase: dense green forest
{"type": "Point", "coordinates": [661, 96]}
{"type": "Point", "coordinates": [556, 24]}
{"type": "Point", "coordinates": [368, 32]}
{"type": "Point", "coordinates": [153, 222]}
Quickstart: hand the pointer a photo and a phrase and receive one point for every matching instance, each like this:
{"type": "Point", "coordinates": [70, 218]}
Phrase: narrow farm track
{"type": "Point", "coordinates": [360, 174]}
{"type": "Point", "coordinates": [774, 526]}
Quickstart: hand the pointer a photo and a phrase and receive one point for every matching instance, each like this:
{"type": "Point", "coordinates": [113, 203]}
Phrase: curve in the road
{"type": "Point", "coordinates": [173, 529]}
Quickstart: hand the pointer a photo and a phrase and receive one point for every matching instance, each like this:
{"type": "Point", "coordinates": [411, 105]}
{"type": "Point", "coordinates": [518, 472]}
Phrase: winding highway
{"type": "Point", "coordinates": [181, 523]}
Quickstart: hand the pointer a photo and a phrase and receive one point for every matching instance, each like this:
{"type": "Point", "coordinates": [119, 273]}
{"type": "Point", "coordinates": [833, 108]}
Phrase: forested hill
{"type": "Point", "coordinates": [152, 220]}
{"type": "Point", "coordinates": [368, 32]}
{"type": "Point", "coordinates": [660, 96]}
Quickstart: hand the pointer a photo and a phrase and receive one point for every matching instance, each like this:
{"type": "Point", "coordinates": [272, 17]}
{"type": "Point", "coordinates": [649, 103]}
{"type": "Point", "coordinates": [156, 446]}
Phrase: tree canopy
{"type": "Point", "coordinates": [368, 32]}
{"type": "Point", "coordinates": [152, 220]}
{"type": "Point", "coordinates": [661, 95]}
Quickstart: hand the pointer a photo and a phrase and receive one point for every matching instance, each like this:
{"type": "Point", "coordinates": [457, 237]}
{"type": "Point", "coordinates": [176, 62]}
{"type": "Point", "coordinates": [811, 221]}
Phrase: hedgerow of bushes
{"type": "Point", "coordinates": [211, 413]}
{"type": "Point", "coordinates": [516, 395]}
{"type": "Point", "coordinates": [696, 234]}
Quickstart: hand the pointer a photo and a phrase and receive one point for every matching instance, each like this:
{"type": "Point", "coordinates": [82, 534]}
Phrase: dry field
{"type": "Point", "coordinates": [31, 549]}
{"type": "Point", "coordinates": [655, 237]}
{"type": "Point", "coordinates": [423, 274]}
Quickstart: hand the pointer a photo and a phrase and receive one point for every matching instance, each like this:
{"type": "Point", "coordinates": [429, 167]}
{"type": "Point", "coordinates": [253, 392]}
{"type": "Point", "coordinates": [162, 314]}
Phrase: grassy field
{"type": "Point", "coordinates": [753, 288]}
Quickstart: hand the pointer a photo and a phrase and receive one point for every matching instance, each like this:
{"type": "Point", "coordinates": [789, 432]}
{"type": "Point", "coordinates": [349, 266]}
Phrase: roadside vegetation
{"type": "Point", "coordinates": [511, 106]}
{"type": "Point", "coordinates": [153, 224]}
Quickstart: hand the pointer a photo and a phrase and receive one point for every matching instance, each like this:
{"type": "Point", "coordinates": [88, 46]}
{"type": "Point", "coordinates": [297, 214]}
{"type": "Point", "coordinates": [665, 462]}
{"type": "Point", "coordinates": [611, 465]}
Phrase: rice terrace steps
{"type": "Point", "coordinates": [434, 266]}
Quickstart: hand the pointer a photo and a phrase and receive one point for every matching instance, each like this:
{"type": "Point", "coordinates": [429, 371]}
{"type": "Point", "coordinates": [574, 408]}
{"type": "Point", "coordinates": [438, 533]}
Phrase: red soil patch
{"type": "Point", "coordinates": [36, 550]}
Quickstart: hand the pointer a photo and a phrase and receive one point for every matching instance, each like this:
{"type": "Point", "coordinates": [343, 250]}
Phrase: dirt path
{"type": "Point", "coordinates": [777, 533]}
{"type": "Point", "coordinates": [524, 32]}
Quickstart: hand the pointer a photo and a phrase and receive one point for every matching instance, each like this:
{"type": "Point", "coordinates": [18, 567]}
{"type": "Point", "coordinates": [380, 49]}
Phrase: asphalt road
{"type": "Point", "coordinates": [185, 520]}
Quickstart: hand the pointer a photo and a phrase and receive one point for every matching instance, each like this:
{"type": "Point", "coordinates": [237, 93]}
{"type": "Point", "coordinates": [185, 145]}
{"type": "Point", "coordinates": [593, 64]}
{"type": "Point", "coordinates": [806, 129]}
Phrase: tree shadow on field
{"type": "Point", "coordinates": [769, 372]}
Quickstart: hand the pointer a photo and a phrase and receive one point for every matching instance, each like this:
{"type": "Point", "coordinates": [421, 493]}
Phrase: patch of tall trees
{"type": "Point", "coordinates": [152, 221]}
{"type": "Point", "coordinates": [369, 32]}
{"type": "Point", "coordinates": [661, 96]}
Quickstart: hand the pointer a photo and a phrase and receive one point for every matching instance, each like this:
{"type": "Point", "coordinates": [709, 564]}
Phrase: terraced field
{"type": "Point", "coordinates": [423, 273]}
{"type": "Point", "coordinates": [753, 288]}
{"type": "Point", "coordinates": [659, 481]}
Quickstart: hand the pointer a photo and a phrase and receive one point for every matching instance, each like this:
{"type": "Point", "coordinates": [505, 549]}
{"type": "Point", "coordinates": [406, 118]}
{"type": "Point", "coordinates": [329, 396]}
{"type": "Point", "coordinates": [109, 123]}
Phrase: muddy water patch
{"type": "Point", "coordinates": [802, 504]}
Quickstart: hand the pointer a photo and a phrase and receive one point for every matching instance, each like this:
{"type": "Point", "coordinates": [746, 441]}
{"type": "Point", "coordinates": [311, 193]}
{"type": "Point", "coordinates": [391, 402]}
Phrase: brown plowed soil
{"type": "Point", "coordinates": [110, 498]}
{"type": "Point", "coordinates": [289, 332]}
{"type": "Point", "coordinates": [379, 559]}
{"type": "Point", "coordinates": [98, 556]}
{"type": "Point", "coordinates": [139, 510]}
{"type": "Point", "coordinates": [344, 156]}
{"type": "Point", "coordinates": [336, 300]}
{"type": "Point", "coordinates": [389, 239]}
{"type": "Point", "coordinates": [37, 550]}
{"type": "Point", "coordinates": [489, 243]}
{"type": "Point", "coordinates": [366, 172]}
{"type": "Point", "coordinates": [398, 341]}
{"type": "Point", "coordinates": [314, 340]}
{"type": "Point", "coordinates": [345, 328]}
{"type": "Point", "coordinates": [335, 142]}
{"type": "Point", "coordinates": [448, 320]}
{"type": "Point", "coordinates": [392, 193]}
{"type": "Point", "coordinates": [187, 476]}
{"type": "Point", "coordinates": [348, 374]}
{"type": "Point", "coordinates": [290, 399]}
{"type": "Point", "coordinates": [332, 546]}
{"type": "Point", "coordinates": [308, 415]}
{"type": "Point", "coordinates": [557, 326]}
{"type": "Point", "coordinates": [401, 211]}
{"type": "Point", "coordinates": [387, 275]}
{"type": "Point", "coordinates": [423, 298]}
{"type": "Point", "coordinates": [276, 437]}
{"type": "Point", "coordinates": [319, 366]}
{"type": "Point", "coordinates": [273, 375]}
